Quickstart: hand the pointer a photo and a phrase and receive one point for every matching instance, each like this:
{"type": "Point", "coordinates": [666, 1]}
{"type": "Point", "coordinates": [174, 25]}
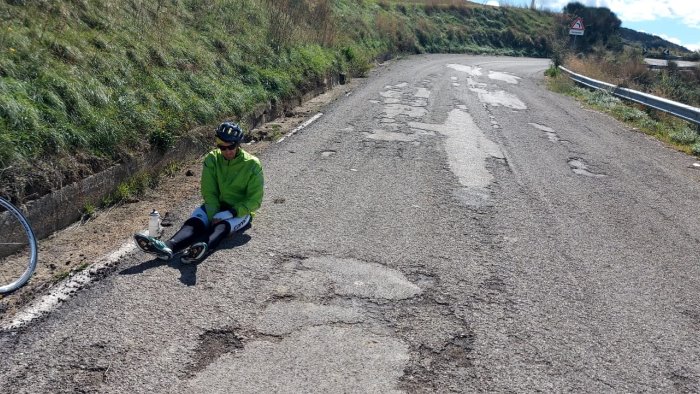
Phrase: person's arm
{"type": "Point", "coordinates": [210, 187]}
{"type": "Point", "coordinates": [254, 194]}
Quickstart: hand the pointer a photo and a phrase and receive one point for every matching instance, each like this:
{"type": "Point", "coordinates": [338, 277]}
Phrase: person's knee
{"type": "Point", "coordinates": [222, 226]}
{"type": "Point", "coordinates": [196, 223]}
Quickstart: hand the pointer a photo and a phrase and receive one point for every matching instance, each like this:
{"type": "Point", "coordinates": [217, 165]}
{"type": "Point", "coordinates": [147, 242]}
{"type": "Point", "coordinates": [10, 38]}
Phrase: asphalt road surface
{"type": "Point", "coordinates": [450, 226]}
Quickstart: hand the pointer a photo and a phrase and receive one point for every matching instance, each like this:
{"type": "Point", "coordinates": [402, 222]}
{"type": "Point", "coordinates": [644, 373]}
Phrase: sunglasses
{"type": "Point", "coordinates": [227, 147]}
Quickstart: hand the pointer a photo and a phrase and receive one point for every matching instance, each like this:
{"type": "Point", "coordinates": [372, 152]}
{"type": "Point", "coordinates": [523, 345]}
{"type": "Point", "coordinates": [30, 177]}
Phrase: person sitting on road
{"type": "Point", "coordinates": [232, 188]}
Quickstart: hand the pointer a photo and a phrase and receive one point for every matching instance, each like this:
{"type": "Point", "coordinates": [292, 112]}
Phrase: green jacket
{"type": "Point", "coordinates": [236, 183]}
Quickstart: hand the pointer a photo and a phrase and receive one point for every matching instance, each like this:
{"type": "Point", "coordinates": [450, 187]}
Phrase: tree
{"type": "Point", "coordinates": [602, 26]}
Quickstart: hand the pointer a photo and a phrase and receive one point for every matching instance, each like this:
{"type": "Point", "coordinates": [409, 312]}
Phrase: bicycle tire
{"type": "Point", "coordinates": [18, 248]}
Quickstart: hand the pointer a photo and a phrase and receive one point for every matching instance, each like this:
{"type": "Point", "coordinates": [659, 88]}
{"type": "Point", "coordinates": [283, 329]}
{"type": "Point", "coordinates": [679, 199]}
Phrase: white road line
{"type": "Point", "coordinates": [305, 124]}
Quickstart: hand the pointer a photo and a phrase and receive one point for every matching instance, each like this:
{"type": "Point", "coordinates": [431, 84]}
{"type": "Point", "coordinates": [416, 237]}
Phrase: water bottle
{"type": "Point", "coordinates": [154, 224]}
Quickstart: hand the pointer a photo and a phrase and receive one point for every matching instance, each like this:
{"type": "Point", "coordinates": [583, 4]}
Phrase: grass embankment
{"type": "Point", "coordinates": [673, 131]}
{"type": "Point", "coordinates": [87, 83]}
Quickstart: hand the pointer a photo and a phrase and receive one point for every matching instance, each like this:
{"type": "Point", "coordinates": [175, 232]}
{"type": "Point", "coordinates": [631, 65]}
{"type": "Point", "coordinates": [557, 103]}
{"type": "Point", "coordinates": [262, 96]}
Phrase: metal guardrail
{"type": "Point", "coordinates": [663, 63]}
{"type": "Point", "coordinates": [680, 110]}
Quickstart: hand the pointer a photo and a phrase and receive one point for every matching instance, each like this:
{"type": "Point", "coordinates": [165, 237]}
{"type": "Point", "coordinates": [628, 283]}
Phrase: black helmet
{"type": "Point", "coordinates": [229, 133]}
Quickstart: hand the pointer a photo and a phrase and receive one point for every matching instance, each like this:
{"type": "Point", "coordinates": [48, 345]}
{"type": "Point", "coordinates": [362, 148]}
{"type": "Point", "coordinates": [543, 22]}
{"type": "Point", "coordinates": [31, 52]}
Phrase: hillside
{"type": "Point", "coordinates": [654, 44]}
{"type": "Point", "coordinates": [86, 84]}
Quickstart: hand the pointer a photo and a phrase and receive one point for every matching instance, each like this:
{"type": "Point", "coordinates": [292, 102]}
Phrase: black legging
{"type": "Point", "coordinates": [194, 230]}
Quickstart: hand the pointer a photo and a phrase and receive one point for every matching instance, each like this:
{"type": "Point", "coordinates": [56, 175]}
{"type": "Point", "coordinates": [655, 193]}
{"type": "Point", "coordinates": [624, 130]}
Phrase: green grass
{"type": "Point", "coordinates": [95, 79]}
{"type": "Point", "coordinates": [89, 210]}
{"type": "Point", "coordinates": [672, 131]}
{"type": "Point", "coordinates": [133, 188]}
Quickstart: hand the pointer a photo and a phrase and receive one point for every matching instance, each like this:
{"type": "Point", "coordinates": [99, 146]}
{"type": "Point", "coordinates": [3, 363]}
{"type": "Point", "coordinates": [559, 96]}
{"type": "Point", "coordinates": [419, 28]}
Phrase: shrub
{"type": "Point", "coordinates": [602, 99]}
{"type": "Point", "coordinates": [161, 140]}
{"type": "Point", "coordinates": [629, 114]}
{"type": "Point", "coordinates": [696, 149]}
{"type": "Point", "coordinates": [685, 136]}
{"type": "Point", "coordinates": [358, 61]}
{"type": "Point", "coordinates": [552, 72]}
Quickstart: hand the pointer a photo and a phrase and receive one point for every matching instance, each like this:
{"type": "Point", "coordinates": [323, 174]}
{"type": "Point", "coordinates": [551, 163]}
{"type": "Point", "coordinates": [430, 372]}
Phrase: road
{"type": "Point", "coordinates": [664, 63]}
{"type": "Point", "coordinates": [449, 226]}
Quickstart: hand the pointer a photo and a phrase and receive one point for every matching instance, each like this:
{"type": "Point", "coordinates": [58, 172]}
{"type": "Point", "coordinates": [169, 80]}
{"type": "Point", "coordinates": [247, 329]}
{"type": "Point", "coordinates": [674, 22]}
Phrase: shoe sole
{"type": "Point", "coordinates": [147, 246]}
{"type": "Point", "coordinates": [191, 260]}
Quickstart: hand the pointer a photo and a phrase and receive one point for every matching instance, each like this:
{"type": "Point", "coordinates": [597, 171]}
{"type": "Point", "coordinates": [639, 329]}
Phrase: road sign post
{"type": "Point", "coordinates": [577, 29]}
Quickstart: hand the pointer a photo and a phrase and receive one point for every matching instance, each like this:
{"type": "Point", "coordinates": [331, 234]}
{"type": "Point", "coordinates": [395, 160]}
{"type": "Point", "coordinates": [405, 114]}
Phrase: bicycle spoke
{"type": "Point", "coordinates": [18, 249]}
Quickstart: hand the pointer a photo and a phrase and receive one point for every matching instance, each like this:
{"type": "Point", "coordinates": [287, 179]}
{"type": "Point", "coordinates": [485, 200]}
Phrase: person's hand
{"type": "Point", "coordinates": [223, 215]}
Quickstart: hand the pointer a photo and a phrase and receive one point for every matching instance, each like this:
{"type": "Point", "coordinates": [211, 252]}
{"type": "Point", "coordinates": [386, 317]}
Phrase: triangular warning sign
{"type": "Point", "coordinates": [578, 24]}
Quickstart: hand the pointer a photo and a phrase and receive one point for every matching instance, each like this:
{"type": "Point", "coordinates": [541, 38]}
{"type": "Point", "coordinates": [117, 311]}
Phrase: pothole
{"type": "Point", "coordinates": [473, 197]}
{"type": "Point", "coordinates": [499, 98]}
{"type": "Point", "coordinates": [459, 349]}
{"type": "Point", "coordinates": [426, 363]}
{"type": "Point", "coordinates": [383, 135]}
{"type": "Point", "coordinates": [505, 77]}
{"type": "Point", "coordinates": [579, 167]}
{"type": "Point", "coordinates": [422, 93]}
{"type": "Point", "coordinates": [393, 110]}
{"type": "Point", "coordinates": [88, 378]}
{"type": "Point", "coordinates": [391, 94]}
{"type": "Point", "coordinates": [212, 345]}
{"type": "Point", "coordinates": [419, 102]}
{"type": "Point", "coordinates": [474, 84]}
{"type": "Point", "coordinates": [424, 281]}
{"type": "Point", "coordinates": [321, 358]}
{"type": "Point", "coordinates": [473, 71]}
{"type": "Point", "coordinates": [551, 134]}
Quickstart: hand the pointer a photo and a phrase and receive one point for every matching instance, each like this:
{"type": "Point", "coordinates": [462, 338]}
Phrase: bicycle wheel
{"type": "Point", "coordinates": [18, 250]}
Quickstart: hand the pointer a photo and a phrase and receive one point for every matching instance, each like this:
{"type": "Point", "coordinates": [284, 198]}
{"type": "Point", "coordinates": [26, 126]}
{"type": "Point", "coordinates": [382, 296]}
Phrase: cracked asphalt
{"type": "Point", "coordinates": [448, 226]}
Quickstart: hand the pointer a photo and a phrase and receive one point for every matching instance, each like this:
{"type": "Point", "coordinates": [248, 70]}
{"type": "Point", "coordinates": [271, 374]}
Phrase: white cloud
{"type": "Point", "coordinates": [688, 11]}
{"type": "Point", "coordinates": [647, 10]}
{"type": "Point", "coordinates": [674, 40]}
{"type": "Point", "coordinates": [494, 3]}
{"type": "Point", "coordinates": [693, 47]}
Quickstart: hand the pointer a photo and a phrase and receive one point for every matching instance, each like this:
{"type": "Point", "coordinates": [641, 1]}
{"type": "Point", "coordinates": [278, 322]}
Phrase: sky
{"type": "Point", "coordinates": [677, 21]}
